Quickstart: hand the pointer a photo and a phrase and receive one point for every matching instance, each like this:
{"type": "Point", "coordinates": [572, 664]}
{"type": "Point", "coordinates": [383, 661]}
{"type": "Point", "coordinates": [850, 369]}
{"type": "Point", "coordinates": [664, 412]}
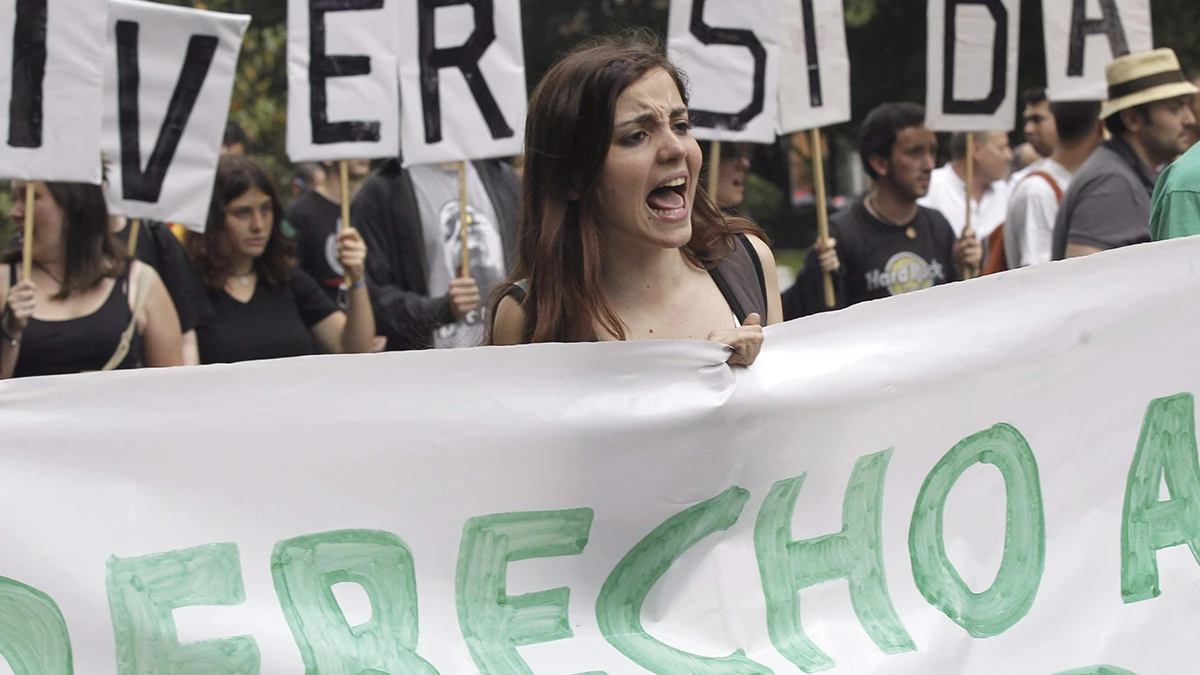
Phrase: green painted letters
{"type": "Point", "coordinates": [142, 593]}
{"type": "Point", "coordinates": [1167, 447]}
{"type": "Point", "coordinates": [305, 569]}
{"type": "Point", "coordinates": [855, 553]}
{"type": "Point", "coordinates": [33, 634]}
{"type": "Point", "coordinates": [1098, 670]}
{"type": "Point", "coordinates": [494, 623]}
{"type": "Point", "coordinates": [1012, 594]}
{"type": "Point", "coordinates": [619, 607]}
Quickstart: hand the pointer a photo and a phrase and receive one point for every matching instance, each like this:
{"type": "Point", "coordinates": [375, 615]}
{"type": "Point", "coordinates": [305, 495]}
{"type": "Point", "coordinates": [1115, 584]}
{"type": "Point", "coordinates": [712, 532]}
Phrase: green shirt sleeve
{"type": "Point", "coordinates": [1174, 212]}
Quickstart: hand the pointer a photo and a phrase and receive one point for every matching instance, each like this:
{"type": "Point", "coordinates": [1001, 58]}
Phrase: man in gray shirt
{"type": "Point", "coordinates": [1147, 112]}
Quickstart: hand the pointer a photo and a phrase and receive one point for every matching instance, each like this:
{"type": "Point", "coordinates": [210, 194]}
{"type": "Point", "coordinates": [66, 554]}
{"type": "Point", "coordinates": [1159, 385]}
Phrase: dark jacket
{"type": "Point", "coordinates": [386, 213]}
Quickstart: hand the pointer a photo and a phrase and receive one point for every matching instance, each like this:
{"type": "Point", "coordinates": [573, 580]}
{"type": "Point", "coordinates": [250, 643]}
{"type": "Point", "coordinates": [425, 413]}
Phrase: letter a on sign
{"type": "Point", "coordinates": [51, 84]}
{"type": "Point", "coordinates": [462, 71]}
{"type": "Point", "coordinates": [730, 51]}
{"type": "Point", "coordinates": [972, 64]}
{"type": "Point", "coordinates": [1083, 36]}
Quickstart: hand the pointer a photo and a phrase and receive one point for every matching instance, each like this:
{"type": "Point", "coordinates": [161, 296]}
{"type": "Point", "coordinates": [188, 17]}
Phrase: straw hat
{"type": "Point", "coordinates": [1146, 77]}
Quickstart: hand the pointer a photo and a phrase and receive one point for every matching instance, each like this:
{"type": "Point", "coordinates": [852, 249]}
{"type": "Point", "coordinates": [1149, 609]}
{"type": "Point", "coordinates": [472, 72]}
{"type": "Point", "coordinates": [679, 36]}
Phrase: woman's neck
{"type": "Point", "coordinates": [648, 273]}
{"type": "Point", "coordinates": [241, 266]}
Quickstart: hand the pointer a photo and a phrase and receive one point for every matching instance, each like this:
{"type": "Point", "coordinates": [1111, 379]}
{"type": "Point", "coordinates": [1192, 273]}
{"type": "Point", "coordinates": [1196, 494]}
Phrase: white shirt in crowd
{"type": "Point", "coordinates": [948, 194]}
{"type": "Point", "coordinates": [1032, 211]}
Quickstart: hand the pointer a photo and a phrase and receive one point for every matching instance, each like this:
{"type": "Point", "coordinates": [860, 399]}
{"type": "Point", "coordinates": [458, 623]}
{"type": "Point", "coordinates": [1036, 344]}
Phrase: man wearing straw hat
{"type": "Point", "coordinates": [1148, 113]}
{"type": "Point", "coordinates": [1175, 210]}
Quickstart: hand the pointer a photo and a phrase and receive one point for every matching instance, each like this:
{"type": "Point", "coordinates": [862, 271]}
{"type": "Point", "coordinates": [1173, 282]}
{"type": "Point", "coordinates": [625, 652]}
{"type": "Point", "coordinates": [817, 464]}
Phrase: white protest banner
{"type": "Point", "coordinates": [972, 65]}
{"type": "Point", "coordinates": [814, 65]}
{"type": "Point", "coordinates": [343, 97]}
{"type": "Point", "coordinates": [730, 52]}
{"type": "Point", "coordinates": [1083, 36]}
{"type": "Point", "coordinates": [167, 83]}
{"type": "Point", "coordinates": [462, 78]}
{"type": "Point", "coordinates": [51, 87]}
{"type": "Point", "coordinates": [962, 480]}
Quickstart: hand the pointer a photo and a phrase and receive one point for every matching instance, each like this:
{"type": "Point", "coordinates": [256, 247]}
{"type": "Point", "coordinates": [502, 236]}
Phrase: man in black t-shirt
{"type": "Point", "coordinates": [316, 216]}
{"type": "Point", "coordinates": [886, 244]}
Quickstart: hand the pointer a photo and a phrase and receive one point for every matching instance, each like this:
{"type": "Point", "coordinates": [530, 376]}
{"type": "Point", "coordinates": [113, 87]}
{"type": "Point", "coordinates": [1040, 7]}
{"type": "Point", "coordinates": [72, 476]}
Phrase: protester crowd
{"type": "Point", "coordinates": [607, 233]}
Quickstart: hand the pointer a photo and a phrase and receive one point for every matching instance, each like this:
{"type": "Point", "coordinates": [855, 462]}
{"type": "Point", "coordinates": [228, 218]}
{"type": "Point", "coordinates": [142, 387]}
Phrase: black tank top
{"type": "Point", "coordinates": [79, 345]}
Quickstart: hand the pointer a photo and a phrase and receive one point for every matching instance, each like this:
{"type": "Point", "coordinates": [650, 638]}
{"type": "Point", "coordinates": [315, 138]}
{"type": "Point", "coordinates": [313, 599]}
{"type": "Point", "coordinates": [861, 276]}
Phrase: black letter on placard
{"type": "Point", "coordinates": [146, 186]}
{"type": "Point", "coordinates": [816, 100]}
{"type": "Point", "coordinates": [28, 75]}
{"type": "Point", "coordinates": [322, 67]}
{"type": "Point", "coordinates": [742, 38]}
{"type": "Point", "coordinates": [989, 105]}
{"type": "Point", "coordinates": [1081, 27]}
{"type": "Point", "coordinates": [465, 58]}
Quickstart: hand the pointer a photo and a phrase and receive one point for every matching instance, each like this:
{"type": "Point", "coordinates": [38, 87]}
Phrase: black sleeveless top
{"type": "Point", "coordinates": [739, 276]}
{"type": "Point", "coordinates": [79, 345]}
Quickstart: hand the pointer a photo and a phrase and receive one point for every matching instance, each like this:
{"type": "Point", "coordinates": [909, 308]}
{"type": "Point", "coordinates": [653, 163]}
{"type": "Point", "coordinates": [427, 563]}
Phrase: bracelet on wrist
{"type": "Point", "coordinates": [13, 341]}
{"type": "Point", "coordinates": [355, 285]}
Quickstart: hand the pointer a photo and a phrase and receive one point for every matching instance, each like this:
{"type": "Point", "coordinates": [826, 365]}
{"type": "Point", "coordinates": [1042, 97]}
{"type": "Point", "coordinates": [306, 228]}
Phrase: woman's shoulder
{"type": "Point", "coordinates": [508, 326]}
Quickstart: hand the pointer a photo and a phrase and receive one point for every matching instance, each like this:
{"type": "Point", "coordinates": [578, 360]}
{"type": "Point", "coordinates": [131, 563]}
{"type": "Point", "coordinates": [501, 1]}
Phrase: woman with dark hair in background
{"type": "Point", "coordinates": [618, 240]}
{"type": "Point", "coordinates": [259, 305]}
{"type": "Point", "coordinates": [86, 307]}
{"type": "Point", "coordinates": [731, 177]}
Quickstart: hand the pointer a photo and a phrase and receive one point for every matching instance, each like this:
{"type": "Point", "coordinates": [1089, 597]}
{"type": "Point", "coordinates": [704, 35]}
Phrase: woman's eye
{"type": "Point", "coordinates": [636, 138]}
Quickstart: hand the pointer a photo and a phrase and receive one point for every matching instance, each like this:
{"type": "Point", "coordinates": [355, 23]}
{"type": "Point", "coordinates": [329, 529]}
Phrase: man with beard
{"type": "Point", "coordinates": [886, 244]}
{"type": "Point", "coordinates": [1148, 112]}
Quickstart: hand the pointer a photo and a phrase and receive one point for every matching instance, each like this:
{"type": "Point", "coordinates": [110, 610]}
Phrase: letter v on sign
{"type": "Point", "coordinates": [146, 184]}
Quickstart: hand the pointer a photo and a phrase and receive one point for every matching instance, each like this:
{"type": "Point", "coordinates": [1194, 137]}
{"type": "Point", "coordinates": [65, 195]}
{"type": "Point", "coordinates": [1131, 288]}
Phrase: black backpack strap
{"type": "Point", "coordinates": [741, 280]}
{"type": "Point", "coordinates": [518, 291]}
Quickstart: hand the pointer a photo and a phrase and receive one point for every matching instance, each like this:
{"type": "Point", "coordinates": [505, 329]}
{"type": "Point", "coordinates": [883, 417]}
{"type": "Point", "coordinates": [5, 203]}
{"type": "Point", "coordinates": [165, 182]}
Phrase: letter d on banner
{"type": "Point", "coordinates": [972, 64]}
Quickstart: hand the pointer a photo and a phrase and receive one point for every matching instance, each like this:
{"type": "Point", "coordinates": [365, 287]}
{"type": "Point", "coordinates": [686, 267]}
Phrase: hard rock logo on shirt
{"type": "Point", "coordinates": [905, 272]}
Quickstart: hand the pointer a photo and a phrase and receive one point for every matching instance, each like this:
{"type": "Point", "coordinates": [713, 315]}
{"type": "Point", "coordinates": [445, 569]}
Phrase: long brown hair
{"type": "Point", "coordinates": [567, 137]}
{"type": "Point", "coordinates": [211, 251]}
{"type": "Point", "coordinates": [91, 252]}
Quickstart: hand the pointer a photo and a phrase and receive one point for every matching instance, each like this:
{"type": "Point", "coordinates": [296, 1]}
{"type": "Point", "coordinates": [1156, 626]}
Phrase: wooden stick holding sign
{"type": "Point", "coordinates": [27, 242]}
{"type": "Point", "coordinates": [344, 169]}
{"type": "Point", "coordinates": [714, 172]}
{"type": "Point", "coordinates": [135, 227]}
{"type": "Point", "coordinates": [818, 159]}
{"type": "Point", "coordinates": [968, 233]}
{"type": "Point", "coordinates": [465, 220]}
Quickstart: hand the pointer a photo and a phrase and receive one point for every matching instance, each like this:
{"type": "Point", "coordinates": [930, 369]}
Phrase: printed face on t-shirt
{"type": "Point", "coordinates": [913, 160]}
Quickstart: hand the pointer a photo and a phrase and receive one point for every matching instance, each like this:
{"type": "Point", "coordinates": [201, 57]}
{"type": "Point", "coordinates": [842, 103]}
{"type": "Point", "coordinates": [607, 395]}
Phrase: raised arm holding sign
{"type": "Point", "coordinates": [464, 108]}
{"type": "Point", "coordinates": [814, 91]}
{"type": "Point", "coordinates": [966, 38]}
